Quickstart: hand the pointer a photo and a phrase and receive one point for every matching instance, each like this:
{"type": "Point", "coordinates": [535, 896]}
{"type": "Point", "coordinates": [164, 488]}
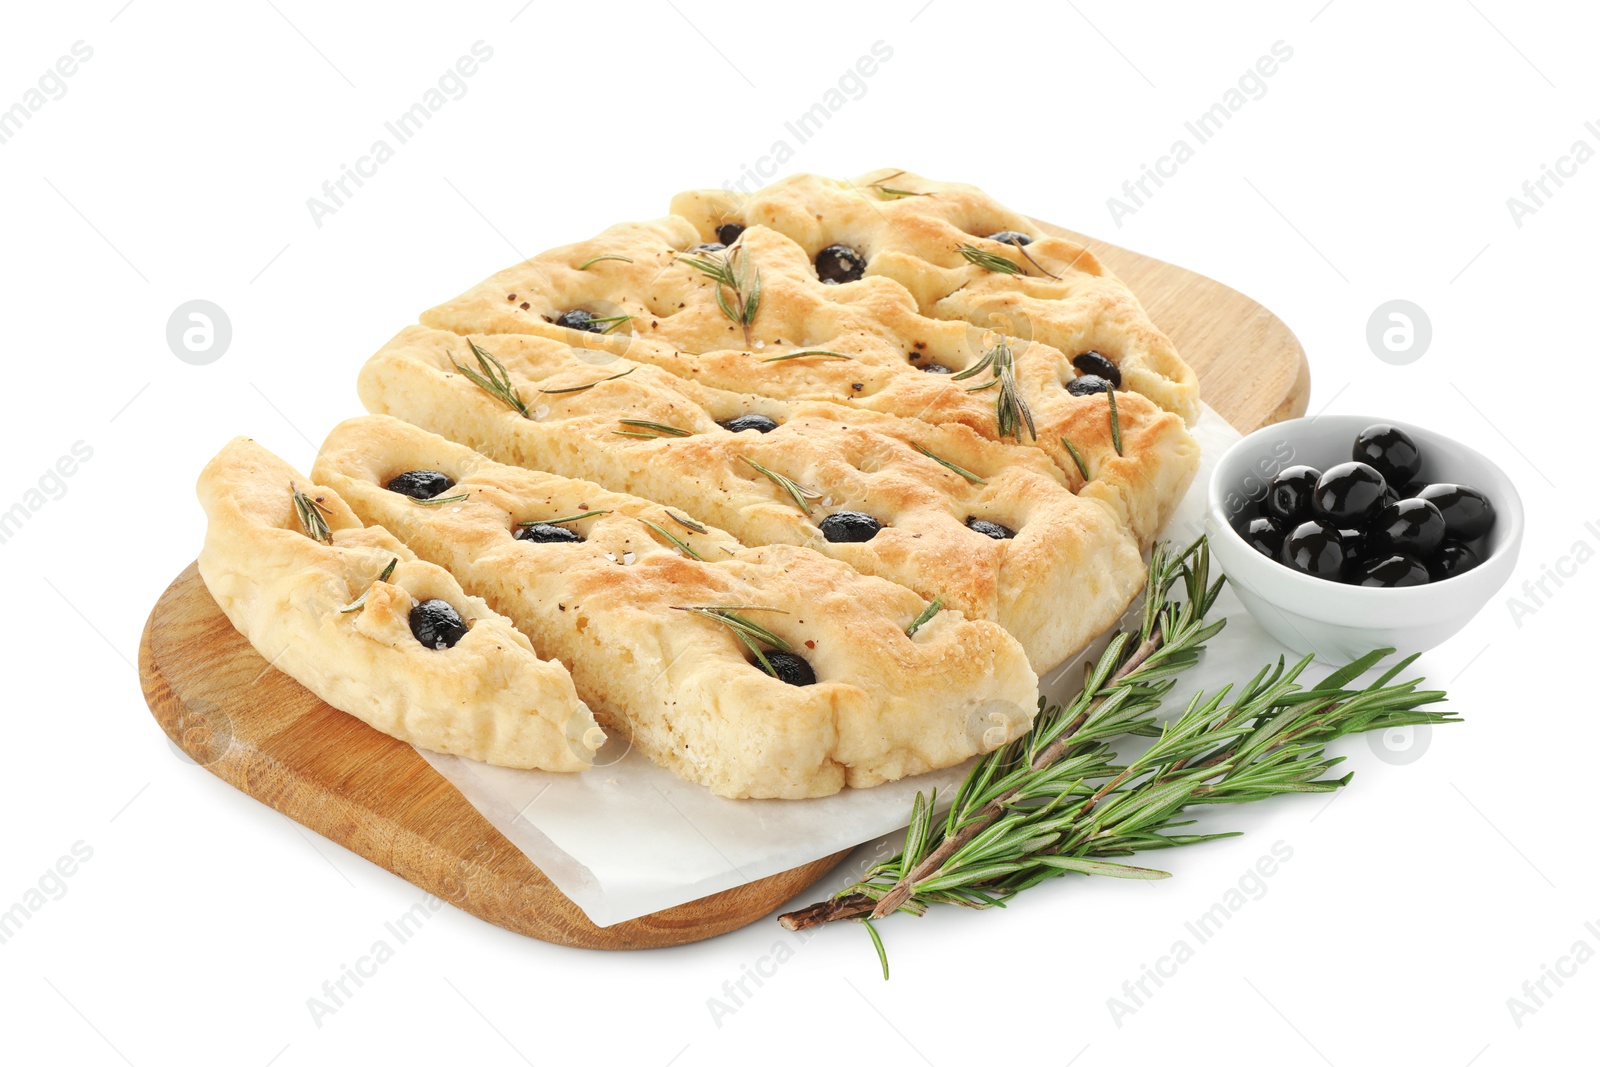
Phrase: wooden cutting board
{"type": "Point", "coordinates": [261, 732]}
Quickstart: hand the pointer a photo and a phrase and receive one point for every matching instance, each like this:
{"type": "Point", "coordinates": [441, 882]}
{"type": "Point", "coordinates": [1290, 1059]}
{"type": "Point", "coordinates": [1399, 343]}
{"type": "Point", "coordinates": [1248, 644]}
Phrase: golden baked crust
{"type": "Point", "coordinates": [489, 697]}
{"type": "Point", "coordinates": [1066, 575]}
{"type": "Point", "coordinates": [884, 705]}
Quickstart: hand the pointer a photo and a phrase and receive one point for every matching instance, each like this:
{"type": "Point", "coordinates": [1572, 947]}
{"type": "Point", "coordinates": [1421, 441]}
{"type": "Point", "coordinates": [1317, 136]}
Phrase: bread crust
{"type": "Point", "coordinates": [681, 686]}
{"type": "Point", "coordinates": [489, 697]}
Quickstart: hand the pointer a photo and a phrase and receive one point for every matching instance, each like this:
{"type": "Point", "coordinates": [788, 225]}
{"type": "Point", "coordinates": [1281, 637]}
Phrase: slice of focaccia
{"type": "Point", "coordinates": [757, 672]}
{"type": "Point", "coordinates": [989, 528]}
{"type": "Point", "coordinates": [351, 613]}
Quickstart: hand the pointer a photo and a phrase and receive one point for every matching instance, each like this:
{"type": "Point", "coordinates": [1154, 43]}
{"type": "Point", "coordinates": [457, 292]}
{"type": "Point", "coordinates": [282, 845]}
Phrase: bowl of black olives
{"type": "Point", "coordinates": [1342, 534]}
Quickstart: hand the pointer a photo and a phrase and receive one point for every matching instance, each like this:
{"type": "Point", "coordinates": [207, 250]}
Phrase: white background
{"type": "Point", "coordinates": [1377, 166]}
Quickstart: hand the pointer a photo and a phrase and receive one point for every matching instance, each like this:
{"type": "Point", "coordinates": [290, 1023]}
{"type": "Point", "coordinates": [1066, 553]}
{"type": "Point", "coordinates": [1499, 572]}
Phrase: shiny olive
{"type": "Point", "coordinates": [849, 527]}
{"type": "Point", "coordinates": [1468, 515]}
{"type": "Point", "coordinates": [1413, 527]}
{"type": "Point", "coordinates": [1356, 551]}
{"type": "Point", "coordinates": [1348, 494]}
{"type": "Point", "coordinates": [990, 529]}
{"type": "Point", "coordinates": [435, 624]}
{"type": "Point", "coordinates": [840, 263]}
{"type": "Point", "coordinates": [729, 232]}
{"type": "Point", "coordinates": [579, 319]}
{"type": "Point", "coordinates": [1289, 493]}
{"type": "Point", "coordinates": [1453, 558]}
{"type": "Point", "coordinates": [1010, 237]}
{"type": "Point", "coordinates": [1392, 571]}
{"type": "Point", "coordinates": [420, 485]}
{"type": "Point", "coordinates": [1390, 451]}
{"type": "Point", "coordinates": [1099, 366]}
{"type": "Point", "coordinates": [758, 423]}
{"type": "Point", "coordinates": [1264, 534]}
{"type": "Point", "coordinates": [1315, 547]}
{"type": "Point", "coordinates": [788, 667]}
{"type": "Point", "coordinates": [1088, 384]}
{"type": "Point", "coordinates": [543, 533]}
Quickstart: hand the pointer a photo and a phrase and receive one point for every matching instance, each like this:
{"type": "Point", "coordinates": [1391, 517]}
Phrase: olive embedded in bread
{"type": "Point", "coordinates": [840, 263]}
{"type": "Point", "coordinates": [849, 526]}
{"type": "Point", "coordinates": [990, 529]}
{"type": "Point", "coordinates": [435, 624]}
{"type": "Point", "coordinates": [544, 533]}
{"type": "Point", "coordinates": [788, 667]}
{"type": "Point", "coordinates": [1088, 384]}
{"type": "Point", "coordinates": [420, 485]}
{"type": "Point", "coordinates": [579, 319]}
{"type": "Point", "coordinates": [1099, 366]}
{"type": "Point", "coordinates": [758, 423]}
{"type": "Point", "coordinates": [729, 232]}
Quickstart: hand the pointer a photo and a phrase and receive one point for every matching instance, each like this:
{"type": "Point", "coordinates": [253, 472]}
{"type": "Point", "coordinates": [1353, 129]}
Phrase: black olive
{"type": "Point", "coordinates": [840, 263]}
{"type": "Point", "coordinates": [1289, 494]}
{"type": "Point", "coordinates": [1453, 558]}
{"type": "Point", "coordinates": [1314, 547]}
{"type": "Point", "coordinates": [990, 529]}
{"type": "Point", "coordinates": [937, 368]}
{"type": "Point", "coordinates": [1087, 385]}
{"type": "Point", "coordinates": [1099, 366]}
{"type": "Point", "coordinates": [708, 248]}
{"type": "Point", "coordinates": [849, 527]}
{"type": "Point", "coordinates": [1392, 571]}
{"type": "Point", "coordinates": [436, 624]}
{"type": "Point", "coordinates": [579, 319]}
{"type": "Point", "coordinates": [729, 232]}
{"type": "Point", "coordinates": [1355, 552]}
{"type": "Point", "coordinates": [1348, 493]}
{"type": "Point", "coordinates": [788, 667]}
{"type": "Point", "coordinates": [758, 423]}
{"type": "Point", "coordinates": [1011, 237]}
{"type": "Point", "coordinates": [1413, 527]}
{"type": "Point", "coordinates": [1390, 451]}
{"type": "Point", "coordinates": [420, 485]}
{"type": "Point", "coordinates": [1264, 534]}
{"type": "Point", "coordinates": [1468, 515]}
{"type": "Point", "coordinates": [543, 533]}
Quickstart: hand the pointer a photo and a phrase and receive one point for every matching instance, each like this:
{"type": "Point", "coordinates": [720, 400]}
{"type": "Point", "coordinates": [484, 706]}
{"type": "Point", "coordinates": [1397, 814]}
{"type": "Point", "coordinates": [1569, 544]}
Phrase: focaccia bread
{"type": "Point", "coordinates": [911, 335]}
{"type": "Point", "coordinates": [319, 611]}
{"type": "Point", "coordinates": [607, 581]}
{"type": "Point", "coordinates": [989, 528]}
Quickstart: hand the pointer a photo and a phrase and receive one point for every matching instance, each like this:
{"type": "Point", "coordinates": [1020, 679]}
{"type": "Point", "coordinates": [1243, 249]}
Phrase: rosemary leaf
{"type": "Point", "coordinates": [359, 602]}
{"type": "Point", "coordinates": [1011, 411]}
{"type": "Point", "coordinates": [565, 518]}
{"type": "Point", "coordinates": [586, 264]}
{"type": "Point", "coordinates": [751, 634]}
{"type": "Point", "coordinates": [310, 514]}
{"type": "Point", "coordinates": [731, 271]}
{"type": "Point", "coordinates": [660, 429]}
{"type": "Point", "coordinates": [589, 385]}
{"type": "Point", "coordinates": [921, 620]}
{"type": "Point", "coordinates": [435, 501]}
{"type": "Point", "coordinates": [1116, 423]}
{"type": "Point", "coordinates": [1020, 247]}
{"type": "Point", "coordinates": [677, 542]}
{"type": "Point", "coordinates": [684, 521]}
{"type": "Point", "coordinates": [799, 492]}
{"type": "Point", "coordinates": [968, 475]}
{"type": "Point", "coordinates": [820, 353]}
{"type": "Point", "coordinates": [1077, 457]}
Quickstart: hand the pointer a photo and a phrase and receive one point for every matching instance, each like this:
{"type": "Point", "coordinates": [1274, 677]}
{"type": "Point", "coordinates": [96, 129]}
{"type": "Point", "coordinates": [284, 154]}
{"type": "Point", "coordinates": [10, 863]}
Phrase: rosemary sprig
{"type": "Point", "coordinates": [435, 501]}
{"type": "Point", "coordinates": [927, 613]}
{"type": "Point", "coordinates": [656, 429]}
{"type": "Point", "coordinates": [614, 320]}
{"type": "Point", "coordinates": [1028, 811]}
{"type": "Point", "coordinates": [1020, 247]}
{"type": "Point", "coordinates": [310, 512]}
{"type": "Point", "coordinates": [968, 475]}
{"type": "Point", "coordinates": [751, 634]}
{"type": "Point", "coordinates": [1116, 423]}
{"type": "Point", "coordinates": [820, 353]}
{"type": "Point", "coordinates": [564, 518]}
{"type": "Point", "coordinates": [889, 192]}
{"type": "Point", "coordinates": [587, 385]}
{"type": "Point", "coordinates": [731, 270]}
{"type": "Point", "coordinates": [989, 261]}
{"type": "Point", "coordinates": [1011, 411]}
{"type": "Point", "coordinates": [359, 602]}
{"type": "Point", "coordinates": [493, 379]}
{"type": "Point", "coordinates": [586, 264]}
{"type": "Point", "coordinates": [1077, 457]}
{"type": "Point", "coordinates": [677, 542]}
{"type": "Point", "coordinates": [799, 492]}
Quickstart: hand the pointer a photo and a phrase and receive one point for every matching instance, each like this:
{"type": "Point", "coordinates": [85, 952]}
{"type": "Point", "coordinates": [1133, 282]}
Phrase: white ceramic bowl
{"type": "Point", "coordinates": [1340, 622]}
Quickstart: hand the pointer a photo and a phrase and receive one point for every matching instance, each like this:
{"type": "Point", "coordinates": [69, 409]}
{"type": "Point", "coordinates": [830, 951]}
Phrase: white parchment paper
{"type": "Point", "coordinates": [628, 838]}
